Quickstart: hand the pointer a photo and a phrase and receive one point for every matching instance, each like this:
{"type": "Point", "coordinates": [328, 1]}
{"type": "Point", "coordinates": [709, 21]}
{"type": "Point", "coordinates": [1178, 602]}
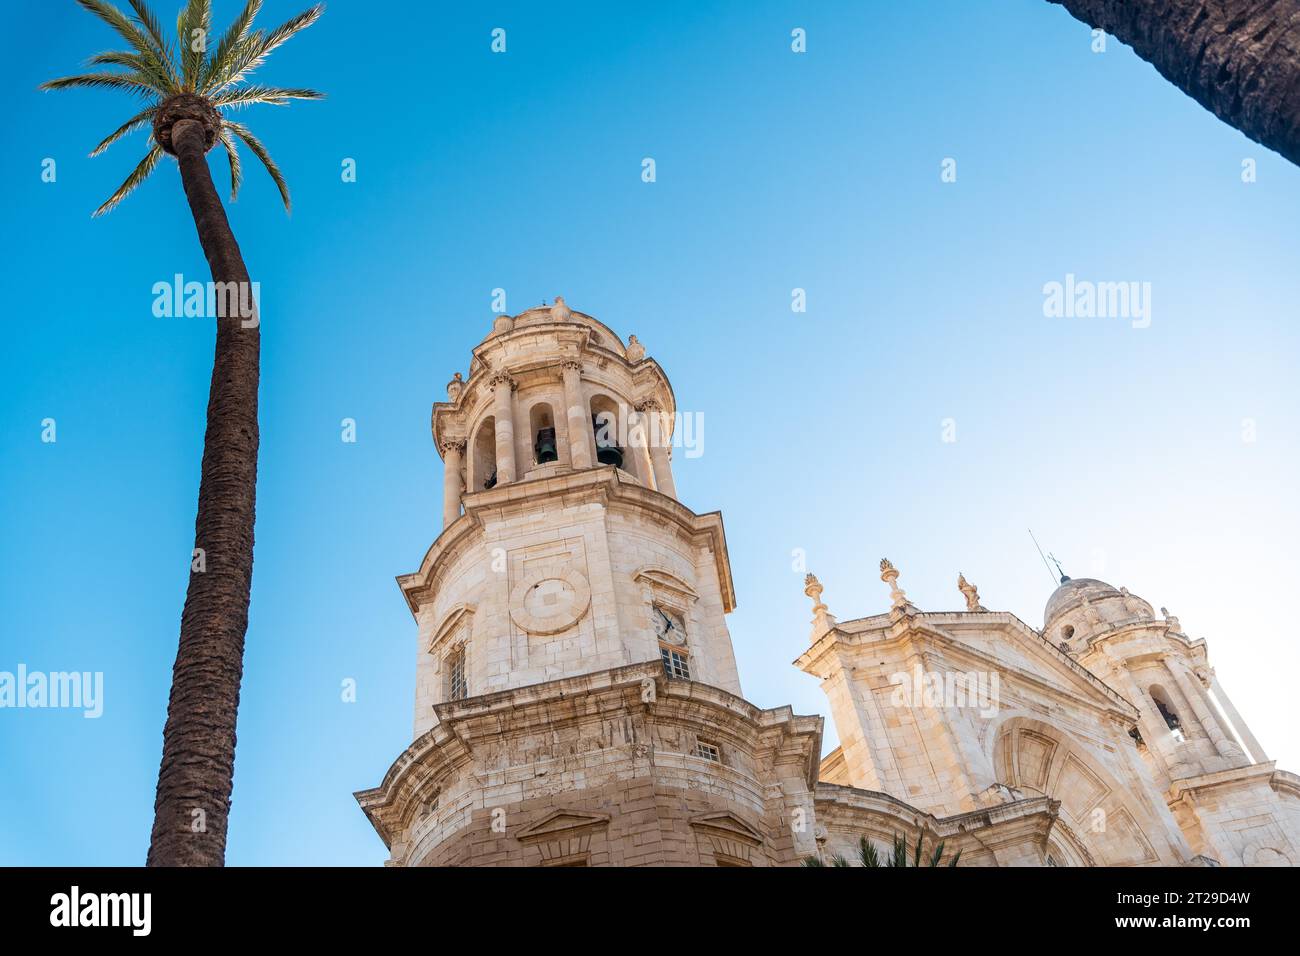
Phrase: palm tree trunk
{"type": "Point", "coordinates": [1240, 59]}
{"type": "Point", "coordinates": [197, 770]}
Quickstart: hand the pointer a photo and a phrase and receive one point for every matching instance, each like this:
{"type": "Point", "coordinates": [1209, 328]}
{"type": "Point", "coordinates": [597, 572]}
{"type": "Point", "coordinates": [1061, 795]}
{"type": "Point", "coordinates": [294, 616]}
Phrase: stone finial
{"type": "Point", "coordinates": [822, 620]}
{"type": "Point", "coordinates": [1171, 621]}
{"type": "Point", "coordinates": [971, 593]}
{"type": "Point", "coordinates": [502, 324]}
{"type": "Point", "coordinates": [898, 597]}
{"type": "Point", "coordinates": [559, 311]}
{"type": "Point", "coordinates": [455, 387]}
{"type": "Point", "coordinates": [635, 350]}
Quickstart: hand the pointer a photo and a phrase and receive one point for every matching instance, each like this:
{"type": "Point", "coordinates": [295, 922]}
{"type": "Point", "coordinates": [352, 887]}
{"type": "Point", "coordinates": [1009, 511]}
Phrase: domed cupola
{"type": "Point", "coordinates": [1082, 608]}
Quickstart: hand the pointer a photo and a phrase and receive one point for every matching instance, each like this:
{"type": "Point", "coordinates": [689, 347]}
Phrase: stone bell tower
{"type": "Point", "coordinates": [1218, 782]}
{"type": "Point", "coordinates": [564, 549]}
{"type": "Point", "coordinates": [571, 619]}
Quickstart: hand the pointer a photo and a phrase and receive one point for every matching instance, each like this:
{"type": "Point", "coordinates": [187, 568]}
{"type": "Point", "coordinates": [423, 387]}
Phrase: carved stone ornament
{"type": "Point", "coordinates": [547, 601]}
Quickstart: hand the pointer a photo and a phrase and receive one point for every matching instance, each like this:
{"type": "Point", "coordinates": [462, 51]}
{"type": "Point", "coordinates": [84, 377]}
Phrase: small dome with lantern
{"type": "Point", "coordinates": [1083, 607]}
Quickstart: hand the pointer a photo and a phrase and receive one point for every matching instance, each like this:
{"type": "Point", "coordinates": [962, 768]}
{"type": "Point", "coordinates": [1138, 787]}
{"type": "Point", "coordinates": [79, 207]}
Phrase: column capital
{"type": "Point", "coordinates": [572, 363]}
{"type": "Point", "coordinates": [649, 405]}
{"type": "Point", "coordinates": [502, 377]}
{"type": "Point", "coordinates": [451, 444]}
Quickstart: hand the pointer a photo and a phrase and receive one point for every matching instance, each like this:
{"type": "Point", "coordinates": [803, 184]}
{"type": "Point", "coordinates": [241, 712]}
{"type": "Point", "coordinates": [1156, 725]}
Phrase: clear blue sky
{"type": "Point", "coordinates": [1120, 447]}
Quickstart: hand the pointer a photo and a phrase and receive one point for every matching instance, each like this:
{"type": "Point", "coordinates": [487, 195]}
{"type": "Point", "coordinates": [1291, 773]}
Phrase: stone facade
{"type": "Point", "coordinates": [578, 701]}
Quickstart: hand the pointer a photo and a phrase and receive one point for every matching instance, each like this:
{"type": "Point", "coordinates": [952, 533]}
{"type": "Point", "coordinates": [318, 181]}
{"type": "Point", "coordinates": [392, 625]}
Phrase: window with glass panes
{"type": "Point", "coordinates": [457, 684]}
{"type": "Point", "coordinates": [675, 663]}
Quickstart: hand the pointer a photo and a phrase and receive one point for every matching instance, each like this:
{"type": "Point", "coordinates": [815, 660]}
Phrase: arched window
{"type": "Point", "coordinates": [1161, 699]}
{"type": "Point", "coordinates": [541, 422]}
{"type": "Point", "coordinates": [605, 423]}
{"type": "Point", "coordinates": [483, 460]}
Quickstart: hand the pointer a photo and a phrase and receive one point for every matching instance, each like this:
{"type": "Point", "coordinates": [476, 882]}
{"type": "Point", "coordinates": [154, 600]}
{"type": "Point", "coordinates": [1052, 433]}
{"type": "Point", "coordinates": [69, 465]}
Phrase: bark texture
{"type": "Point", "coordinates": [198, 757]}
{"type": "Point", "coordinates": [1240, 59]}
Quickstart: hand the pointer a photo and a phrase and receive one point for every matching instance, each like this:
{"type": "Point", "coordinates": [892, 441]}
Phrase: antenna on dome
{"type": "Point", "coordinates": [1044, 557]}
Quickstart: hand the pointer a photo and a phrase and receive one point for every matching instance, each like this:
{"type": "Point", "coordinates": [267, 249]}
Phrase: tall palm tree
{"type": "Point", "coordinates": [1240, 59]}
{"type": "Point", "coordinates": [188, 93]}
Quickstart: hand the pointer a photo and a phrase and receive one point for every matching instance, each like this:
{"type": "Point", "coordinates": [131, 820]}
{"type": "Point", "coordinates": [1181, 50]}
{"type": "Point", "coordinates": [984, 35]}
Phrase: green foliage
{"type": "Point", "coordinates": [869, 856]}
{"type": "Point", "coordinates": [156, 70]}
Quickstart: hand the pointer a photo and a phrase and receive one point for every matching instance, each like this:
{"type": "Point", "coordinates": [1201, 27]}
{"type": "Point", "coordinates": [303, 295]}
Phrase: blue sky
{"type": "Point", "coordinates": [1121, 447]}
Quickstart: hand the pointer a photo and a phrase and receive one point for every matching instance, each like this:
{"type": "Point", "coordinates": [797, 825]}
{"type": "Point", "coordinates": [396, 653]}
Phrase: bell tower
{"type": "Point", "coordinates": [564, 549]}
{"type": "Point", "coordinates": [1187, 725]}
{"type": "Point", "coordinates": [577, 702]}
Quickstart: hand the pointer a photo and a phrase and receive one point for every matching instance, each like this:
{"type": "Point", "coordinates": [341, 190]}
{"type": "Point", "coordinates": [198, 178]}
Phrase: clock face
{"type": "Point", "coordinates": [669, 625]}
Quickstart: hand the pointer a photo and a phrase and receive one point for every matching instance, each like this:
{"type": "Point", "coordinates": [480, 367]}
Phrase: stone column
{"type": "Point", "coordinates": [575, 413]}
{"type": "Point", "coordinates": [1256, 751]}
{"type": "Point", "coordinates": [503, 410]}
{"type": "Point", "coordinates": [659, 439]}
{"type": "Point", "coordinates": [1191, 689]}
{"type": "Point", "coordinates": [1151, 725]}
{"type": "Point", "coordinates": [638, 438]}
{"type": "Point", "coordinates": [453, 455]}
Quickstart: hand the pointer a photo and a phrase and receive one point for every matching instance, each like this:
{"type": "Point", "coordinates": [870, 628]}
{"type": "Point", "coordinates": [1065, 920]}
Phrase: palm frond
{"type": "Point", "coordinates": [236, 169]}
{"type": "Point", "coordinates": [867, 853]}
{"type": "Point", "coordinates": [275, 96]}
{"type": "Point", "coordinates": [811, 862]}
{"type": "Point", "coordinates": [149, 21]}
{"type": "Point", "coordinates": [937, 855]}
{"type": "Point", "coordinates": [130, 126]}
{"type": "Point", "coordinates": [898, 857]}
{"type": "Point", "coordinates": [955, 857]}
{"type": "Point", "coordinates": [920, 839]}
{"type": "Point", "coordinates": [130, 82]}
{"type": "Point", "coordinates": [234, 34]}
{"type": "Point", "coordinates": [196, 17]}
{"type": "Point", "coordinates": [291, 26]}
{"type": "Point", "coordinates": [254, 49]}
{"type": "Point", "coordinates": [253, 143]}
{"type": "Point", "coordinates": [138, 175]}
{"type": "Point", "coordinates": [241, 60]}
{"type": "Point", "coordinates": [120, 22]}
{"type": "Point", "coordinates": [149, 66]}
{"type": "Point", "coordinates": [840, 860]}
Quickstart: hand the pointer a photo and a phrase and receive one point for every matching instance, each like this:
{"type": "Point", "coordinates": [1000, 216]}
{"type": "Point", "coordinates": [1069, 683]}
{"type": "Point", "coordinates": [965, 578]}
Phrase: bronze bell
{"type": "Point", "coordinates": [607, 452]}
{"type": "Point", "coordinates": [545, 446]}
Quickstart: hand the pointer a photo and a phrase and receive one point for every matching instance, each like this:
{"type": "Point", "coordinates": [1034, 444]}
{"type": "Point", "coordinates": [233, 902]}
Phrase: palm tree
{"type": "Point", "coordinates": [869, 856]}
{"type": "Point", "coordinates": [1240, 59]}
{"type": "Point", "coordinates": [187, 94]}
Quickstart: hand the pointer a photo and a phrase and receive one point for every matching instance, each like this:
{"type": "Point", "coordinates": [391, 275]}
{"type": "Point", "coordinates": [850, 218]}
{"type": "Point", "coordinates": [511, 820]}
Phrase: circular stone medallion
{"type": "Point", "coordinates": [547, 602]}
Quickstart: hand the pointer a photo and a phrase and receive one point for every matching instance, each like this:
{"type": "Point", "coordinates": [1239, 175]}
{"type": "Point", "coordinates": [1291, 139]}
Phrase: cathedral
{"type": "Point", "coordinates": [578, 703]}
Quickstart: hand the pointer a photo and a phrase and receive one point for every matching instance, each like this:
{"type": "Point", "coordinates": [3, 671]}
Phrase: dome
{"type": "Point", "coordinates": [1072, 592]}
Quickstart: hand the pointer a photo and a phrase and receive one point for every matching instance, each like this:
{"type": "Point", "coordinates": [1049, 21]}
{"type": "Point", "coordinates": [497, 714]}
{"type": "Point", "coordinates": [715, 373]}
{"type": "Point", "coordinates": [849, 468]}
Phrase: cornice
{"type": "Point", "coordinates": [1035, 811]}
{"type": "Point", "coordinates": [773, 735]}
{"type": "Point", "coordinates": [601, 482]}
{"type": "Point", "coordinates": [890, 629]}
{"type": "Point", "coordinates": [1191, 788]}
